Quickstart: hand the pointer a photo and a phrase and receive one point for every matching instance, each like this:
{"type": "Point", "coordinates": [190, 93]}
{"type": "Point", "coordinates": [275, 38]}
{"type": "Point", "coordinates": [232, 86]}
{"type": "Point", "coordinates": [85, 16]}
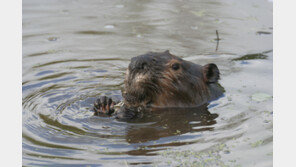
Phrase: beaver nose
{"type": "Point", "coordinates": [140, 62]}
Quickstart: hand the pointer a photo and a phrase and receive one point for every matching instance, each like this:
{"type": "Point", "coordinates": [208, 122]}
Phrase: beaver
{"type": "Point", "coordinates": [158, 80]}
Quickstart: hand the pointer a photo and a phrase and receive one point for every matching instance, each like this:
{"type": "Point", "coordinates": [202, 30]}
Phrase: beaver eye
{"type": "Point", "coordinates": [176, 66]}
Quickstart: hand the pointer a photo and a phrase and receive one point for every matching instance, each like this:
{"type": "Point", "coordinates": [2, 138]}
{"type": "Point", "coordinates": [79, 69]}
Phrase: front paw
{"type": "Point", "coordinates": [104, 105]}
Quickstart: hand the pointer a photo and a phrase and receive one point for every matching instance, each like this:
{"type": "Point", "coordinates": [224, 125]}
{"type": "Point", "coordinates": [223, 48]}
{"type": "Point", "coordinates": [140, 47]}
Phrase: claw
{"type": "Point", "coordinates": [104, 105]}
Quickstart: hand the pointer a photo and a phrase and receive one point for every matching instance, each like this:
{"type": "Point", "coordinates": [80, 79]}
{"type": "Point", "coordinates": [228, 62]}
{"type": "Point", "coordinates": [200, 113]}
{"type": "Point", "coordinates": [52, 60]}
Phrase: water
{"type": "Point", "coordinates": [74, 51]}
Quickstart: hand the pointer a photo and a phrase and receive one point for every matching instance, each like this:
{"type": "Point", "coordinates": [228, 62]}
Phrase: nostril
{"type": "Point", "coordinates": [144, 65]}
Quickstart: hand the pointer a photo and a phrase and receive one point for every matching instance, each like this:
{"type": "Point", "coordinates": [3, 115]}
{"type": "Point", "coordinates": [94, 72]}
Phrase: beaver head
{"type": "Point", "coordinates": [160, 79]}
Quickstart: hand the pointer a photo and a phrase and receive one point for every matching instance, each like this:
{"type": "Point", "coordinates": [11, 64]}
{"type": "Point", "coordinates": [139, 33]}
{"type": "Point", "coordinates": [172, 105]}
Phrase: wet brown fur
{"type": "Point", "coordinates": [159, 85]}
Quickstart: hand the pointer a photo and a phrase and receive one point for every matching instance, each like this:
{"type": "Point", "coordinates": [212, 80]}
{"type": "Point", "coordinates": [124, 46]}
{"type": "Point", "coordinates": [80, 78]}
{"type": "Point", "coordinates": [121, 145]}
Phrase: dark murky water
{"type": "Point", "coordinates": [74, 51]}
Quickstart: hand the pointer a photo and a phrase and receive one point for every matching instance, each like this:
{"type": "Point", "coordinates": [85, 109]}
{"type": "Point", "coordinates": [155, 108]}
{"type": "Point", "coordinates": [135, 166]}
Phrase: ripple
{"type": "Point", "coordinates": [46, 82]}
{"type": "Point", "coordinates": [44, 144]}
{"type": "Point", "coordinates": [79, 60]}
{"type": "Point", "coordinates": [89, 32]}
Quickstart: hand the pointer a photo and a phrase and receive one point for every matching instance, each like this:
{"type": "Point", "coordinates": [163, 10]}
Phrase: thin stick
{"type": "Point", "coordinates": [217, 39]}
{"type": "Point", "coordinates": [217, 34]}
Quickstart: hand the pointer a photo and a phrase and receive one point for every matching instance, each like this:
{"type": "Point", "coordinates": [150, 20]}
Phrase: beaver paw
{"type": "Point", "coordinates": [104, 105]}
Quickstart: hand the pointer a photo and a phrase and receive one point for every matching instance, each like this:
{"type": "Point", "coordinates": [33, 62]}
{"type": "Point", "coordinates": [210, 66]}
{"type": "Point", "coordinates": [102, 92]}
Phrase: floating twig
{"type": "Point", "coordinates": [217, 39]}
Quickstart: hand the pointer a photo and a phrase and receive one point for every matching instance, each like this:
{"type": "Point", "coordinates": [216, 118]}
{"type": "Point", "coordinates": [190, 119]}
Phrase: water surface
{"type": "Point", "coordinates": [74, 51]}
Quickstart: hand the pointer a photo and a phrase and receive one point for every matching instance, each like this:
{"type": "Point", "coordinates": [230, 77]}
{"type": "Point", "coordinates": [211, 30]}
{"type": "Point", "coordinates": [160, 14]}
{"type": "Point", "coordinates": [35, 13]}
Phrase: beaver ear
{"type": "Point", "coordinates": [211, 73]}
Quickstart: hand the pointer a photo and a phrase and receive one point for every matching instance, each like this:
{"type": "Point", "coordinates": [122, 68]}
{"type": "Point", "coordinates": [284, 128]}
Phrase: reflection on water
{"type": "Point", "coordinates": [170, 122]}
{"type": "Point", "coordinates": [75, 51]}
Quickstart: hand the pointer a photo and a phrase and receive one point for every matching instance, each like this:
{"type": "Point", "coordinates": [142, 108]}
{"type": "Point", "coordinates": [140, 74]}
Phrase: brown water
{"type": "Point", "coordinates": [74, 51]}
